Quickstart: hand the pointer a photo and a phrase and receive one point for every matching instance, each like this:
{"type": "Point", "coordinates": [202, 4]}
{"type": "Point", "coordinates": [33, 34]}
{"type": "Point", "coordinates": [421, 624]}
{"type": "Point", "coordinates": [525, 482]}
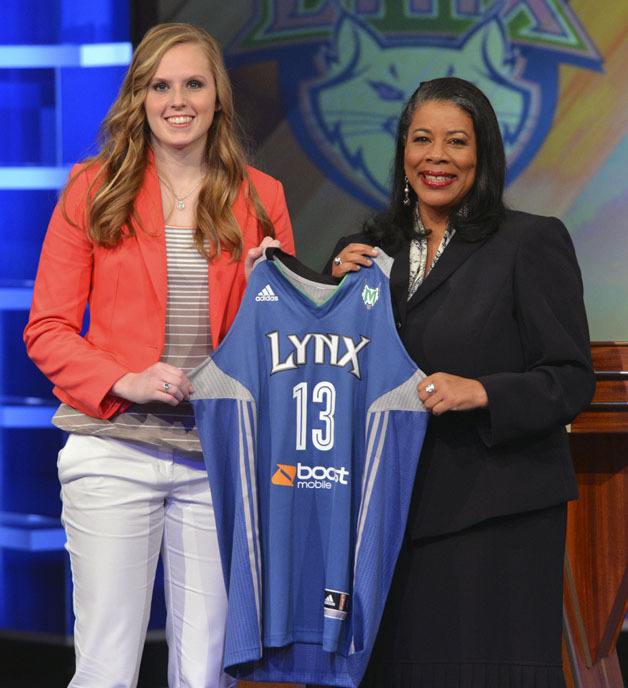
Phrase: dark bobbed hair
{"type": "Point", "coordinates": [483, 206]}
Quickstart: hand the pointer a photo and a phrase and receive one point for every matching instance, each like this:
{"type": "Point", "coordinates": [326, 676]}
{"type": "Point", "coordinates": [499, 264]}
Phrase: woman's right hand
{"type": "Point", "coordinates": [352, 258]}
{"type": "Point", "coordinates": [160, 382]}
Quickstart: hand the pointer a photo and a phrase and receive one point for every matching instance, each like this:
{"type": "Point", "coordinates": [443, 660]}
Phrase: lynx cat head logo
{"type": "Point", "coordinates": [346, 75]}
{"type": "Point", "coordinates": [370, 295]}
{"type": "Point", "coordinates": [352, 110]}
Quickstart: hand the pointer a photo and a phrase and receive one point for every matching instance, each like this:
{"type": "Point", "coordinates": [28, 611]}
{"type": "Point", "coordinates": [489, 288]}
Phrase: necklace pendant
{"type": "Point", "coordinates": [180, 205]}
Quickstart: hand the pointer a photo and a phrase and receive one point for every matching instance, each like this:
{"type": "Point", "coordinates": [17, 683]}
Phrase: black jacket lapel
{"type": "Point", "coordinates": [452, 258]}
{"type": "Point", "coordinates": [399, 282]}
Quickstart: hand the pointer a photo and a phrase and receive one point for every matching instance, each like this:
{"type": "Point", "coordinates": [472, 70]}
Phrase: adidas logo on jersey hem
{"type": "Point", "coordinates": [336, 604]}
{"type": "Point", "coordinates": [267, 294]}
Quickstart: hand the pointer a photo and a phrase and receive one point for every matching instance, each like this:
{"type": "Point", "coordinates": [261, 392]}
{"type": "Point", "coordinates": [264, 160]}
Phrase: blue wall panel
{"type": "Point", "coordinates": [61, 64]}
{"type": "Point", "coordinates": [39, 591]}
{"type": "Point", "coordinates": [50, 22]}
{"type": "Point", "coordinates": [27, 102]}
{"type": "Point", "coordinates": [31, 22]}
{"type": "Point", "coordinates": [84, 112]}
{"type": "Point", "coordinates": [24, 217]}
{"type": "Point", "coordinates": [30, 484]}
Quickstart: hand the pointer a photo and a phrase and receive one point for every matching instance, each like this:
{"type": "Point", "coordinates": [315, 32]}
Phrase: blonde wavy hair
{"type": "Point", "coordinates": [125, 142]}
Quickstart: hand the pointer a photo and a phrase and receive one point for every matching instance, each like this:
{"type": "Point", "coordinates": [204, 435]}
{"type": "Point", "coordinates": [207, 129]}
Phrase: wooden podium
{"type": "Point", "coordinates": [596, 576]}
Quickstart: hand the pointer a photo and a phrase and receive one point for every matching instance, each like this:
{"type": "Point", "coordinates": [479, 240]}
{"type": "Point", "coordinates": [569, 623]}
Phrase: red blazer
{"type": "Point", "coordinates": [126, 289]}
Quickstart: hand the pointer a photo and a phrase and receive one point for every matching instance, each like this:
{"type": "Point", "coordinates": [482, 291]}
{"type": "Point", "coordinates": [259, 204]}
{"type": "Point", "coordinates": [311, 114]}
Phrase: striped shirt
{"type": "Point", "coordinates": [187, 344]}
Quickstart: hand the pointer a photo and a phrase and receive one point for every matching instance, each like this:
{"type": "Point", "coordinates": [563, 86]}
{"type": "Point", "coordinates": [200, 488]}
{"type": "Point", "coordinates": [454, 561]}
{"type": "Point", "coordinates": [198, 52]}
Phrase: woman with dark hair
{"type": "Point", "coordinates": [488, 302]}
{"type": "Point", "coordinates": [154, 233]}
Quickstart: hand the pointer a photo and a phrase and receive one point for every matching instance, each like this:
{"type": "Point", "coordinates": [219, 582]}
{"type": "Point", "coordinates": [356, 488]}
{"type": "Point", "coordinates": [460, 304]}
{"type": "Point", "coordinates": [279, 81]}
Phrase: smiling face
{"type": "Point", "coordinates": [181, 99]}
{"type": "Point", "coordinates": [440, 157]}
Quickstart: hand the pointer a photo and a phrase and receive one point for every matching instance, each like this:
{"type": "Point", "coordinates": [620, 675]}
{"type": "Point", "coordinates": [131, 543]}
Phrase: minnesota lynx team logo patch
{"type": "Point", "coordinates": [346, 68]}
{"type": "Point", "coordinates": [370, 296]}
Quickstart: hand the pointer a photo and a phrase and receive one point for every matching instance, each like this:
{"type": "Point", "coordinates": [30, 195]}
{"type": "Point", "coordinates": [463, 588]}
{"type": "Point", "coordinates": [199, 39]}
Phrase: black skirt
{"type": "Point", "coordinates": [480, 608]}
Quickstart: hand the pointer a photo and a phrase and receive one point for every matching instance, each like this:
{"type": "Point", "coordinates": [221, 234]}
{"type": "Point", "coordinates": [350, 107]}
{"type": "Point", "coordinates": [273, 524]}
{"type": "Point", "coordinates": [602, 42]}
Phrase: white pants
{"type": "Point", "coordinates": [122, 504]}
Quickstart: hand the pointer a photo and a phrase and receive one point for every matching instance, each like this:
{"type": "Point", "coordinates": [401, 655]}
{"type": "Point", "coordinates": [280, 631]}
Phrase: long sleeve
{"type": "Point", "coordinates": [62, 288]}
{"type": "Point", "coordinates": [557, 382]}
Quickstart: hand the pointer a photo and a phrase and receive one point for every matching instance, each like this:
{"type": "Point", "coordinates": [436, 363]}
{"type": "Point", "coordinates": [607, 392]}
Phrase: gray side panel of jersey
{"type": "Point", "coordinates": [402, 398]}
{"type": "Point", "coordinates": [212, 383]}
{"type": "Point", "coordinates": [384, 262]}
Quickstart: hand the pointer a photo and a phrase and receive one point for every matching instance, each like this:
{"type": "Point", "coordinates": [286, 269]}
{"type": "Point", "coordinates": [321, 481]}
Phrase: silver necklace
{"type": "Point", "coordinates": [418, 253]}
{"type": "Point", "coordinates": [179, 201]}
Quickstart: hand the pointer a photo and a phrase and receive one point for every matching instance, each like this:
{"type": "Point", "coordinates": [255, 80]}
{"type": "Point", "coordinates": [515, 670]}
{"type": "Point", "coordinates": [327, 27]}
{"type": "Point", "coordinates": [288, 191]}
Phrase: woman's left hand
{"type": "Point", "coordinates": [256, 252]}
{"type": "Point", "coordinates": [442, 392]}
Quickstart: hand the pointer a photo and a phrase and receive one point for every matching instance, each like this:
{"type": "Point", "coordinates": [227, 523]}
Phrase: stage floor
{"type": "Point", "coordinates": [32, 664]}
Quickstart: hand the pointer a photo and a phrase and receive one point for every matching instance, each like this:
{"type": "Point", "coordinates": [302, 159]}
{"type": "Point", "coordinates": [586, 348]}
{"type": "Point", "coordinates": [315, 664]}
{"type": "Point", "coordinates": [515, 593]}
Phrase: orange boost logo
{"type": "Point", "coordinates": [284, 475]}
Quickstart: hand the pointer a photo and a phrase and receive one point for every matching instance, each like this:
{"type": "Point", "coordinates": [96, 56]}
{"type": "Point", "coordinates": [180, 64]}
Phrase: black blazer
{"type": "Point", "coordinates": [509, 312]}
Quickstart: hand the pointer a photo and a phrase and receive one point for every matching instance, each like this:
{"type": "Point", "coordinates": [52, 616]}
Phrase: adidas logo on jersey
{"type": "Point", "coordinates": [267, 294]}
{"type": "Point", "coordinates": [336, 604]}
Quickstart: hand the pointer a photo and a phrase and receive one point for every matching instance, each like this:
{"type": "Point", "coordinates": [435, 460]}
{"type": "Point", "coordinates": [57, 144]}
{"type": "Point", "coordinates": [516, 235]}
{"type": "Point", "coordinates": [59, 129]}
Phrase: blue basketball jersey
{"type": "Point", "coordinates": [311, 428]}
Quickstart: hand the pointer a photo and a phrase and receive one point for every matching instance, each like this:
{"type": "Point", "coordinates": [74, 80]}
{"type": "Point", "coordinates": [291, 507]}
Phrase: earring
{"type": "Point", "coordinates": [406, 192]}
{"type": "Point", "coordinates": [463, 212]}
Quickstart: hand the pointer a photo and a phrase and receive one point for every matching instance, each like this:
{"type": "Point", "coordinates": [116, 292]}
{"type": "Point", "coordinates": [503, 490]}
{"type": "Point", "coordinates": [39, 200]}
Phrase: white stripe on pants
{"type": "Point", "coordinates": [122, 503]}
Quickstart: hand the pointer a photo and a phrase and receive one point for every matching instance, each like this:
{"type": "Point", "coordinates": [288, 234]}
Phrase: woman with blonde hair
{"type": "Point", "coordinates": [154, 234]}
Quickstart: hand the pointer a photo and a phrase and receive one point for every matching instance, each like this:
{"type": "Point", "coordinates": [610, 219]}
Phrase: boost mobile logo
{"type": "Point", "coordinates": [309, 477]}
{"type": "Point", "coordinates": [284, 475]}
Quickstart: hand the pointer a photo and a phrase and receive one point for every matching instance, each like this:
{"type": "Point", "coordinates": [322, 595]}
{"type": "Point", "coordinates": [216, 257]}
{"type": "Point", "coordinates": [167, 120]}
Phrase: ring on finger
{"type": "Point", "coordinates": [166, 386]}
{"type": "Point", "coordinates": [430, 389]}
{"type": "Point", "coordinates": [337, 260]}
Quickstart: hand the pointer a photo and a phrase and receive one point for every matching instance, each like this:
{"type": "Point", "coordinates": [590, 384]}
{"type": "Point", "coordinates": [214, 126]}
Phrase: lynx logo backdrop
{"type": "Point", "coordinates": [346, 68]}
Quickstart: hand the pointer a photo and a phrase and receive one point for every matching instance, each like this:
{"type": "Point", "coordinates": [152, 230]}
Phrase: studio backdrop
{"type": "Point", "coordinates": [319, 85]}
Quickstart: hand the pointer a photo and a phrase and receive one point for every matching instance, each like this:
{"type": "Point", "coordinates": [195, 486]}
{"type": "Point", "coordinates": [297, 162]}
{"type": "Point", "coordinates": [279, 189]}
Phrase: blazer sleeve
{"type": "Point", "coordinates": [82, 373]}
{"type": "Point", "coordinates": [557, 382]}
